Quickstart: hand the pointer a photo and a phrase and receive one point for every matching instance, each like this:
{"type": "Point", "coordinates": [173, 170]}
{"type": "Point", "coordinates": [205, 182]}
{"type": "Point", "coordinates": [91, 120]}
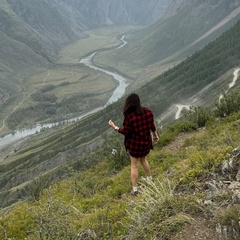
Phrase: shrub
{"type": "Point", "coordinates": [173, 130]}
{"type": "Point", "coordinates": [229, 103]}
{"type": "Point", "coordinates": [198, 115]}
{"type": "Point", "coordinates": [53, 219]}
{"type": "Point", "coordinates": [36, 187]}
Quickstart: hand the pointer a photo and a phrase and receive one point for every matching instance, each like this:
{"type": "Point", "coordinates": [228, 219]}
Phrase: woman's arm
{"type": "Point", "coordinates": [126, 130]}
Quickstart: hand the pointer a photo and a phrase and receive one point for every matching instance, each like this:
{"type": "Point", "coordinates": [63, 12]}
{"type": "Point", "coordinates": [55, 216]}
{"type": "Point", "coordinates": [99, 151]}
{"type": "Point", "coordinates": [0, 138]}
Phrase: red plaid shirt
{"type": "Point", "coordinates": [137, 131]}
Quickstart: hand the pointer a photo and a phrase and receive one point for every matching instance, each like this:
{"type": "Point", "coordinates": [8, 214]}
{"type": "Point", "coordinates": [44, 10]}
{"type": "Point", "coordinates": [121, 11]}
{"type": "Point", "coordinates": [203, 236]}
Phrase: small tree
{"type": "Point", "coordinates": [116, 152]}
{"type": "Point", "coordinates": [35, 188]}
{"type": "Point", "coordinates": [199, 115]}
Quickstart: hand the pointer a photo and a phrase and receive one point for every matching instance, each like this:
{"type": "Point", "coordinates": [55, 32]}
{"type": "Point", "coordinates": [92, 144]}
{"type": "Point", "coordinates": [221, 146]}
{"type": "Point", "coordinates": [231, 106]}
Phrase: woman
{"type": "Point", "coordinates": [137, 127]}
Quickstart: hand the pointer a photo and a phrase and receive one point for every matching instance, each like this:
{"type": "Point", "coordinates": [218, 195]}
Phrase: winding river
{"type": "Point", "coordinates": [118, 93]}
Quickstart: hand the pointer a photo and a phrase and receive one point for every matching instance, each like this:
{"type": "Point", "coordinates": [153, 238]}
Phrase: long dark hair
{"type": "Point", "coordinates": [132, 105]}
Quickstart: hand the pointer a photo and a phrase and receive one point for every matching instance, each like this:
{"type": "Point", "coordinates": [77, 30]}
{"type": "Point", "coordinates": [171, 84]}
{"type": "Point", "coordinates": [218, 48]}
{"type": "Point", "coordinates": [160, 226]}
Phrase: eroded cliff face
{"type": "Point", "coordinates": [119, 12]}
{"type": "Point", "coordinates": [199, 8]}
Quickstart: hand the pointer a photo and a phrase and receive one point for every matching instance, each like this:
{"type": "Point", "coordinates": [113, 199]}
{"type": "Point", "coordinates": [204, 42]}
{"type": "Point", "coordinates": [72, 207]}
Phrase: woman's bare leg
{"type": "Point", "coordinates": [134, 171]}
{"type": "Point", "coordinates": [146, 166]}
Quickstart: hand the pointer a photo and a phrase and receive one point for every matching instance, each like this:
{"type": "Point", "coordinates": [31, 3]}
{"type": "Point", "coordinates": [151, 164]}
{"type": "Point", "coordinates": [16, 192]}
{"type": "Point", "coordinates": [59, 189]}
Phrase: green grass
{"type": "Point", "coordinates": [98, 199]}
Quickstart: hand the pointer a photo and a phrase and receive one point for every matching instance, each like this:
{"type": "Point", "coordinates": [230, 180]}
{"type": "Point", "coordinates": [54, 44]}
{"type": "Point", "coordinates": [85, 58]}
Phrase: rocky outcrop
{"type": "Point", "coordinates": [225, 183]}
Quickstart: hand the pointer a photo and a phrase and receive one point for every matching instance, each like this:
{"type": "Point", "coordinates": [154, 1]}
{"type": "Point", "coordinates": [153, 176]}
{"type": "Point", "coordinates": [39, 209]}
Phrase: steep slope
{"type": "Point", "coordinates": [39, 25]}
{"type": "Point", "coordinates": [48, 25]}
{"type": "Point", "coordinates": [17, 61]}
{"type": "Point", "coordinates": [188, 26]}
{"type": "Point", "coordinates": [194, 193]}
{"type": "Point", "coordinates": [192, 22]}
{"type": "Point", "coordinates": [49, 154]}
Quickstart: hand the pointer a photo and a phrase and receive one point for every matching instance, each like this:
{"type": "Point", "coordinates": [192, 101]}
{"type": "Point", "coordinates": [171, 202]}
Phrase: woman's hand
{"type": "Point", "coordinates": [111, 123]}
{"type": "Point", "coordinates": [155, 137]}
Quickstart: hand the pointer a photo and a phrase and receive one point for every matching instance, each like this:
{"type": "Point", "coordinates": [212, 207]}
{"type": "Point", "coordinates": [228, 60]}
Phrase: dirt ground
{"type": "Point", "coordinates": [200, 228]}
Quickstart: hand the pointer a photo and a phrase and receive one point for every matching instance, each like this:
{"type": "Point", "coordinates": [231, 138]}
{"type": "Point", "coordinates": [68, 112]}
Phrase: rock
{"type": "Point", "coordinates": [238, 176]}
{"type": "Point", "coordinates": [227, 165]}
{"type": "Point", "coordinates": [234, 186]}
{"type": "Point", "coordinates": [87, 234]}
{"type": "Point", "coordinates": [236, 197]}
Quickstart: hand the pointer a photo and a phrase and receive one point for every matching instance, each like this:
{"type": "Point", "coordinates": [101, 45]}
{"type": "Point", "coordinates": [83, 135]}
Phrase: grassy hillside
{"type": "Point", "coordinates": [189, 191]}
{"type": "Point", "coordinates": [38, 24]}
{"type": "Point", "coordinates": [17, 62]}
{"type": "Point", "coordinates": [184, 81]}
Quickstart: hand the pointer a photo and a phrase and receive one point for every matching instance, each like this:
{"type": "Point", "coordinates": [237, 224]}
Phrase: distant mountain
{"type": "Point", "coordinates": [97, 13]}
{"type": "Point", "coordinates": [52, 24]}
{"type": "Point", "coordinates": [187, 27]}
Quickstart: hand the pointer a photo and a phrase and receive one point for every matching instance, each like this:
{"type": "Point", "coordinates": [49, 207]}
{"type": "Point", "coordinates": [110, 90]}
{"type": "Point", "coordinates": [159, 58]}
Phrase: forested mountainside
{"type": "Point", "coordinates": [53, 154]}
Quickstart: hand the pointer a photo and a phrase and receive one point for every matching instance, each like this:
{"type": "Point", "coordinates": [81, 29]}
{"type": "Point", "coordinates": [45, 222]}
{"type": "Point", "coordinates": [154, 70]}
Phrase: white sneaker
{"type": "Point", "coordinates": [134, 193]}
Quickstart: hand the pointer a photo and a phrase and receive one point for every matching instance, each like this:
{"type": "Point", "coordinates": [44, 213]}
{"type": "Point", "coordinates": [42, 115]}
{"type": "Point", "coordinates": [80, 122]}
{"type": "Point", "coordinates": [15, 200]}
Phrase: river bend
{"type": "Point", "coordinates": [118, 93]}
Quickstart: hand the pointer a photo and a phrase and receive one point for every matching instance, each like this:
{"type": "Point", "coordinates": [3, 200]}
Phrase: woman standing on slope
{"type": "Point", "coordinates": [137, 127]}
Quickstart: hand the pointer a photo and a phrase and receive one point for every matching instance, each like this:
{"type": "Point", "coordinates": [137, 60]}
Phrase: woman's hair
{"type": "Point", "coordinates": [132, 105]}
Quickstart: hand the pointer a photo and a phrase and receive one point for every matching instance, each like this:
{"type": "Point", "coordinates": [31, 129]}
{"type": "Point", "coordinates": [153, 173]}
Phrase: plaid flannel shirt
{"type": "Point", "coordinates": [137, 131]}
